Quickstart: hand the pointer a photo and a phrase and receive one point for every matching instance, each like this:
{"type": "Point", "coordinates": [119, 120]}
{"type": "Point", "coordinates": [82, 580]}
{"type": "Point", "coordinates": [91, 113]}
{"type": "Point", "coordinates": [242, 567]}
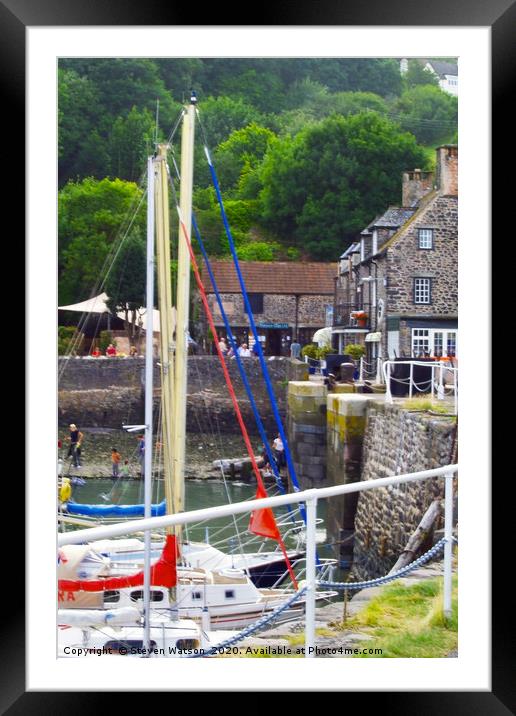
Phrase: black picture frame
{"type": "Point", "coordinates": [500, 16]}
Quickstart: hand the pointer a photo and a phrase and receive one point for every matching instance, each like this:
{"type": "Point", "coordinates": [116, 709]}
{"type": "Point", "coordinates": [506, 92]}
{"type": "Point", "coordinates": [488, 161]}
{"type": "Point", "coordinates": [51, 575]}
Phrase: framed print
{"type": "Point", "coordinates": [44, 37]}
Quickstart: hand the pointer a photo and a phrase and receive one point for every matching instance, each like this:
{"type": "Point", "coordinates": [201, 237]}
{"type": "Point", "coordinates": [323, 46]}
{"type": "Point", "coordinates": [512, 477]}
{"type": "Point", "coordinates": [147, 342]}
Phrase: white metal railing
{"type": "Point", "coordinates": [437, 384]}
{"type": "Point", "coordinates": [371, 368]}
{"type": "Point", "coordinates": [310, 498]}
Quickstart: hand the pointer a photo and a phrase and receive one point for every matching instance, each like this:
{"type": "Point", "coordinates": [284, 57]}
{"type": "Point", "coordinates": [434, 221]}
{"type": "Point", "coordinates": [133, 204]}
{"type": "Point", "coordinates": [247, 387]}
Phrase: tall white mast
{"type": "Point", "coordinates": [148, 397]}
{"type": "Point", "coordinates": [183, 298]}
{"type": "Point", "coordinates": [166, 323]}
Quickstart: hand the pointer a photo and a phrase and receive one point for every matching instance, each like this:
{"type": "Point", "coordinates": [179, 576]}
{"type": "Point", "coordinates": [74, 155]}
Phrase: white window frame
{"type": "Point", "coordinates": [425, 238]}
{"type": "Point", "coordinates": [428, 336]}
{"type": "Point", "coordinates": [422, 291]}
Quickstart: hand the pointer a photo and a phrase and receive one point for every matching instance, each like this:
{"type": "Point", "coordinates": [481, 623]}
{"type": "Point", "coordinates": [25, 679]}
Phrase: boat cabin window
{"type": "Point", "coordinates": [111, 596]}
{"type": "Point", "coordinates": [196, 595]}
{"type": "Point", "coordinates": [127, 646]}
{"type": "Point", "coordinates": [187, 644]}
{"type": "Point", "coordinates": [155, 595]}
{"type": "Point", "coordinates": [229, 593]}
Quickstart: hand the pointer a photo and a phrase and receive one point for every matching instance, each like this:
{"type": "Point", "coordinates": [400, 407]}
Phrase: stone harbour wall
{"type": "Point", "coordinates": [395, 442]}
{"type": "Point", "coordinates": [346, 423]}
{"type": "Point", "coordinates": [109, 392]}
{"type": "Point", "coordinates": [307, 432]}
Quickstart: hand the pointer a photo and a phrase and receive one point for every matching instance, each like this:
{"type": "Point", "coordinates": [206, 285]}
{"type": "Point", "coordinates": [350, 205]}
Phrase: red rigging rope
{"type": "Point", "coordinates": [262, 520]}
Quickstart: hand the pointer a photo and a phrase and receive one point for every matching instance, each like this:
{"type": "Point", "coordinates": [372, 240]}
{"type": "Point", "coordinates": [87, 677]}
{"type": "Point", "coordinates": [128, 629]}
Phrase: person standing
{"type": "Point", "coordinates": [244, 351]}
{"type": "Point", "coordinates": [141, 454]}
{"type": "Point", "coordinates": [74, 450]}
{"type": "Point", "coordinates": [115, 462]}
{"type": "Point", "coordinates": [295, 349]}
{"type": "Point", "coordinates": [278, 450]}
{"type": "Point", "coordinates": [223, 346]}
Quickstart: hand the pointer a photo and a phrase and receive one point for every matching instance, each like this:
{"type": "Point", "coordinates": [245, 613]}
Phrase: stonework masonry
{"type": "Point", "coordinates": [363, 438]}
{"type": "Point", "coordinates": [277, 308]}
{"type": "Point", "coordinates": [109, 392]}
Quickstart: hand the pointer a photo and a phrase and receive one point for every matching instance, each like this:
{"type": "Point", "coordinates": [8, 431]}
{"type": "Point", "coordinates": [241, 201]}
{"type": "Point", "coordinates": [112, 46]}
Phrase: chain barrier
{"type": "Point", "coordinates": [264, 621]}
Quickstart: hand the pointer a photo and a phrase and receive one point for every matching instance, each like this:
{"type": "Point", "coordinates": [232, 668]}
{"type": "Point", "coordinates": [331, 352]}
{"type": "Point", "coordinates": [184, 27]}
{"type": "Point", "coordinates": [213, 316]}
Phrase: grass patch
{"type": "Point", "coordinates": [426, 404]}
{"type": "Point", "coordinates": [407, 622]}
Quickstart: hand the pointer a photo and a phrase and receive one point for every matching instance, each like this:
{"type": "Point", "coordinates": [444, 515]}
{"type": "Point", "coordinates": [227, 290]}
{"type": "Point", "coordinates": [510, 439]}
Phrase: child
{"type": "Point", "coordinates": [125, 469]}
{"type": "Point", "coordinates": [115, 461]}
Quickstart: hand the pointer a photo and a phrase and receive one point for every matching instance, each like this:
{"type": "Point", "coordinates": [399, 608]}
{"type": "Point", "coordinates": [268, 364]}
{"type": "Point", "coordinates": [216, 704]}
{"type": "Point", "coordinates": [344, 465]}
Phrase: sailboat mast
{"type": "Point", "coordinates": [183, 300]}
{"type": "Point", "coordinates": [147, 471]}
{"type": "Point", "coordinates": [166, 323]}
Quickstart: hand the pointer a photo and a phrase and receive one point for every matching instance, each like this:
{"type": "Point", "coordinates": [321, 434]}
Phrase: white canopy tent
{"type": "Point", "coordinates": [98, 304]}
{"type": "Point", "coordinates": [322, 336]}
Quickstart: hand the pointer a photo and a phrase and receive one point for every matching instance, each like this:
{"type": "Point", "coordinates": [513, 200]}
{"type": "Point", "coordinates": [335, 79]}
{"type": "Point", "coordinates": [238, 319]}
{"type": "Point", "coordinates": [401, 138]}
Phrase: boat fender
{"type": "Point", "coordinates": [65, 491]}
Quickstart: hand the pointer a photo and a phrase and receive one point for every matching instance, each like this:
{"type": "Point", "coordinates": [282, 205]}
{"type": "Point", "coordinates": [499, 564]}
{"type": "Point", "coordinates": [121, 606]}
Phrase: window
{"type": "Point", "coordinates": [155, 595]}
{"type": "Point", "coordinates": [187, 644]}
{"type": "Point", "coordinates": [256, 302]}
{"type": "Point", "coordinates": [426, 238]}
{"type": "Point", "coordinates": [111, 596]}
{"type": "Point", "coordinates": [434, 341]}
{"type": "Point", "coordinates": [423, 290]}
{"type": "Point", "coordinates": [420, 342]}
{"type": "Point", "coordinates": [229, 593]}
{"type": "Point", "coordinates": [196, 595]}
{"type": "Point", "coordinates": [451, 343]}
{"type": "Point", "coordinates": [438, 343]}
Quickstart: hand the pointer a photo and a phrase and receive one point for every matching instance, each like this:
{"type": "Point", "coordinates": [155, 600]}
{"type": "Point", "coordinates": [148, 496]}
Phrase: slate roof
{"type": "Point", "coordinates": [444, 68]}
{"type": "Point", "coordinates": [394, 217]}
{"type": "Point", "coordinates": [286, 277]}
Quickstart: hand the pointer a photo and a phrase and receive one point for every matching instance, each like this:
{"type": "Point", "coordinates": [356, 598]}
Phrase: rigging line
{"type": "Point", "coordinates": [176, 125]}
{"type": "Point", "coordinates": [241, 369]}
{"type": "Point", "coordinates": [226, 373]}
{"type": "Point", "coordinates": [270, 391]}
{"type": "Point", "coordinates": [240, 366]}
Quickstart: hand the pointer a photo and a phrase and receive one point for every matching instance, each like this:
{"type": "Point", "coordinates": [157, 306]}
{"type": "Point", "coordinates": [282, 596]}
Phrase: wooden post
{"type": "Point", "coordinates": [418, 537]}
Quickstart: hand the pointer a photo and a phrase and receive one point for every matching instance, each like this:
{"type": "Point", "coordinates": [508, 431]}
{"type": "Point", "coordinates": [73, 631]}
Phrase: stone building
{"type": "Point", "coordinates": [288, 299]}
{"type": "Point", "coordinates": [397, 287]}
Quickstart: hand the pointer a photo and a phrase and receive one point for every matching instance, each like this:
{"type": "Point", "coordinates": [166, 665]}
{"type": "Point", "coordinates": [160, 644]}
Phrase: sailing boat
{"type": "Point", "coordinates": [228, 595]}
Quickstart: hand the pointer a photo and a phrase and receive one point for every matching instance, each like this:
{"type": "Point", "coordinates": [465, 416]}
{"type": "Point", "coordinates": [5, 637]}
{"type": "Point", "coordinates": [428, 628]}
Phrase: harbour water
{"type": "Point", "coordinates": [205, 486]}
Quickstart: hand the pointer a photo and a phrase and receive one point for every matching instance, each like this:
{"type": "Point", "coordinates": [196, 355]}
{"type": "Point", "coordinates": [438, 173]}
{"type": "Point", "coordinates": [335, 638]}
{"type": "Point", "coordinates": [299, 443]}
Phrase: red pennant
{"type": "Point", "coordinates": [262, 522]}
{"type": "Point", "coordinates": [163, 574]}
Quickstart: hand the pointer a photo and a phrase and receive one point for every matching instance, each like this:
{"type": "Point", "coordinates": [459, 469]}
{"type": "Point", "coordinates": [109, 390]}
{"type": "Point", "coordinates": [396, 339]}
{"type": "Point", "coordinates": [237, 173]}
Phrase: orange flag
{"type": "Point", "coordinates": [262, 522]}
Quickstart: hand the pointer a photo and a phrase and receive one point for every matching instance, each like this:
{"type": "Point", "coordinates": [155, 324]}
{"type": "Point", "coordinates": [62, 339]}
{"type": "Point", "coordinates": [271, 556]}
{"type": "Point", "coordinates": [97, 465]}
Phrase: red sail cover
{"type": "Point", "coordinates": [163, 574]}
{"type": "Point", "coordinates": [262, 522]}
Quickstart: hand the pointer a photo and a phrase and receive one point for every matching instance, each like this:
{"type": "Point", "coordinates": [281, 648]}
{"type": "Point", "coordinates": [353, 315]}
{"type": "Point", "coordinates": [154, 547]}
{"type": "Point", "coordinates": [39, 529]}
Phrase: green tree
{"type": "Point", "coordinates": [126, 284]}
{"type": "Point", "coordinates": [78, 114]}
{"type": "Point", "coordinates": [416, 74]}
{"type": "Point", "coordinates": [428, 112]}
{"type": "Point", "coordinates": [130, 142]}
{"type": "Point", "coordinates": [323, 186]}
{"type": "Point", "coordinates": [242, 151]}
{"type": "Point", "coordinates": [92, 215]}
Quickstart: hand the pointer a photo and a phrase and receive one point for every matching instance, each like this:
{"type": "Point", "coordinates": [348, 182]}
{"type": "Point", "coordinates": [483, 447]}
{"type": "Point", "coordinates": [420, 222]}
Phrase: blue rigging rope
{"type": "Point", "coordinates": [258, 348]}
{"type": "Point", "coordinates": [241, 368]}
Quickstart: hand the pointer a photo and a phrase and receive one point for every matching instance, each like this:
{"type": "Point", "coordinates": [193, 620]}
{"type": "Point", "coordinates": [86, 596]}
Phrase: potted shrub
{"type": "Point", "coordinates": [355, 351]}
{"type": "Point", "coordinates": [361, 318]}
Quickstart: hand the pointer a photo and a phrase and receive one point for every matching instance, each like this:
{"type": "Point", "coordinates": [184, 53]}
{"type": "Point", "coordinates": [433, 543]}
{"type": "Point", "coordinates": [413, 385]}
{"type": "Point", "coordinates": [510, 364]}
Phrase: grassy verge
{"type": "Point", "coordinates": [407, 622]}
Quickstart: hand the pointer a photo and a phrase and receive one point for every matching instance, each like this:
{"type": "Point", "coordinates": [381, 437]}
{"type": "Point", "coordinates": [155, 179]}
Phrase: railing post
{"type": "Point", "coordinates": [448, 547]}
{"type": "Point", "coordinates": [379, 375]}
{"type": "Point", "coordinates": [440, 390]}
{"type": "Point", "coordinates": [388, 394]}
{"type": "Point", "coordinates": [411, 378]}
{"type": "Point", "coordinates": [361, 374]}
{"type": "Point", "coordinates": [311, 521]}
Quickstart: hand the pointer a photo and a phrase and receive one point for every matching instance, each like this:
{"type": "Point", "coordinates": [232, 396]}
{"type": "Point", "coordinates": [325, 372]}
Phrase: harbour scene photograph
{"type": "Point", "coordinates": [258, 297]}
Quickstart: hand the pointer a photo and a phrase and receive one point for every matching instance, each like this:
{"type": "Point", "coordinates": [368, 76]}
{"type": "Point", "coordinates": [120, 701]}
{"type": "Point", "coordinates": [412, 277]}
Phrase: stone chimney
{"type": "Point", "coordinates": [415, 185]}
{"type": "Point", "coordinates": [447, 160]}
